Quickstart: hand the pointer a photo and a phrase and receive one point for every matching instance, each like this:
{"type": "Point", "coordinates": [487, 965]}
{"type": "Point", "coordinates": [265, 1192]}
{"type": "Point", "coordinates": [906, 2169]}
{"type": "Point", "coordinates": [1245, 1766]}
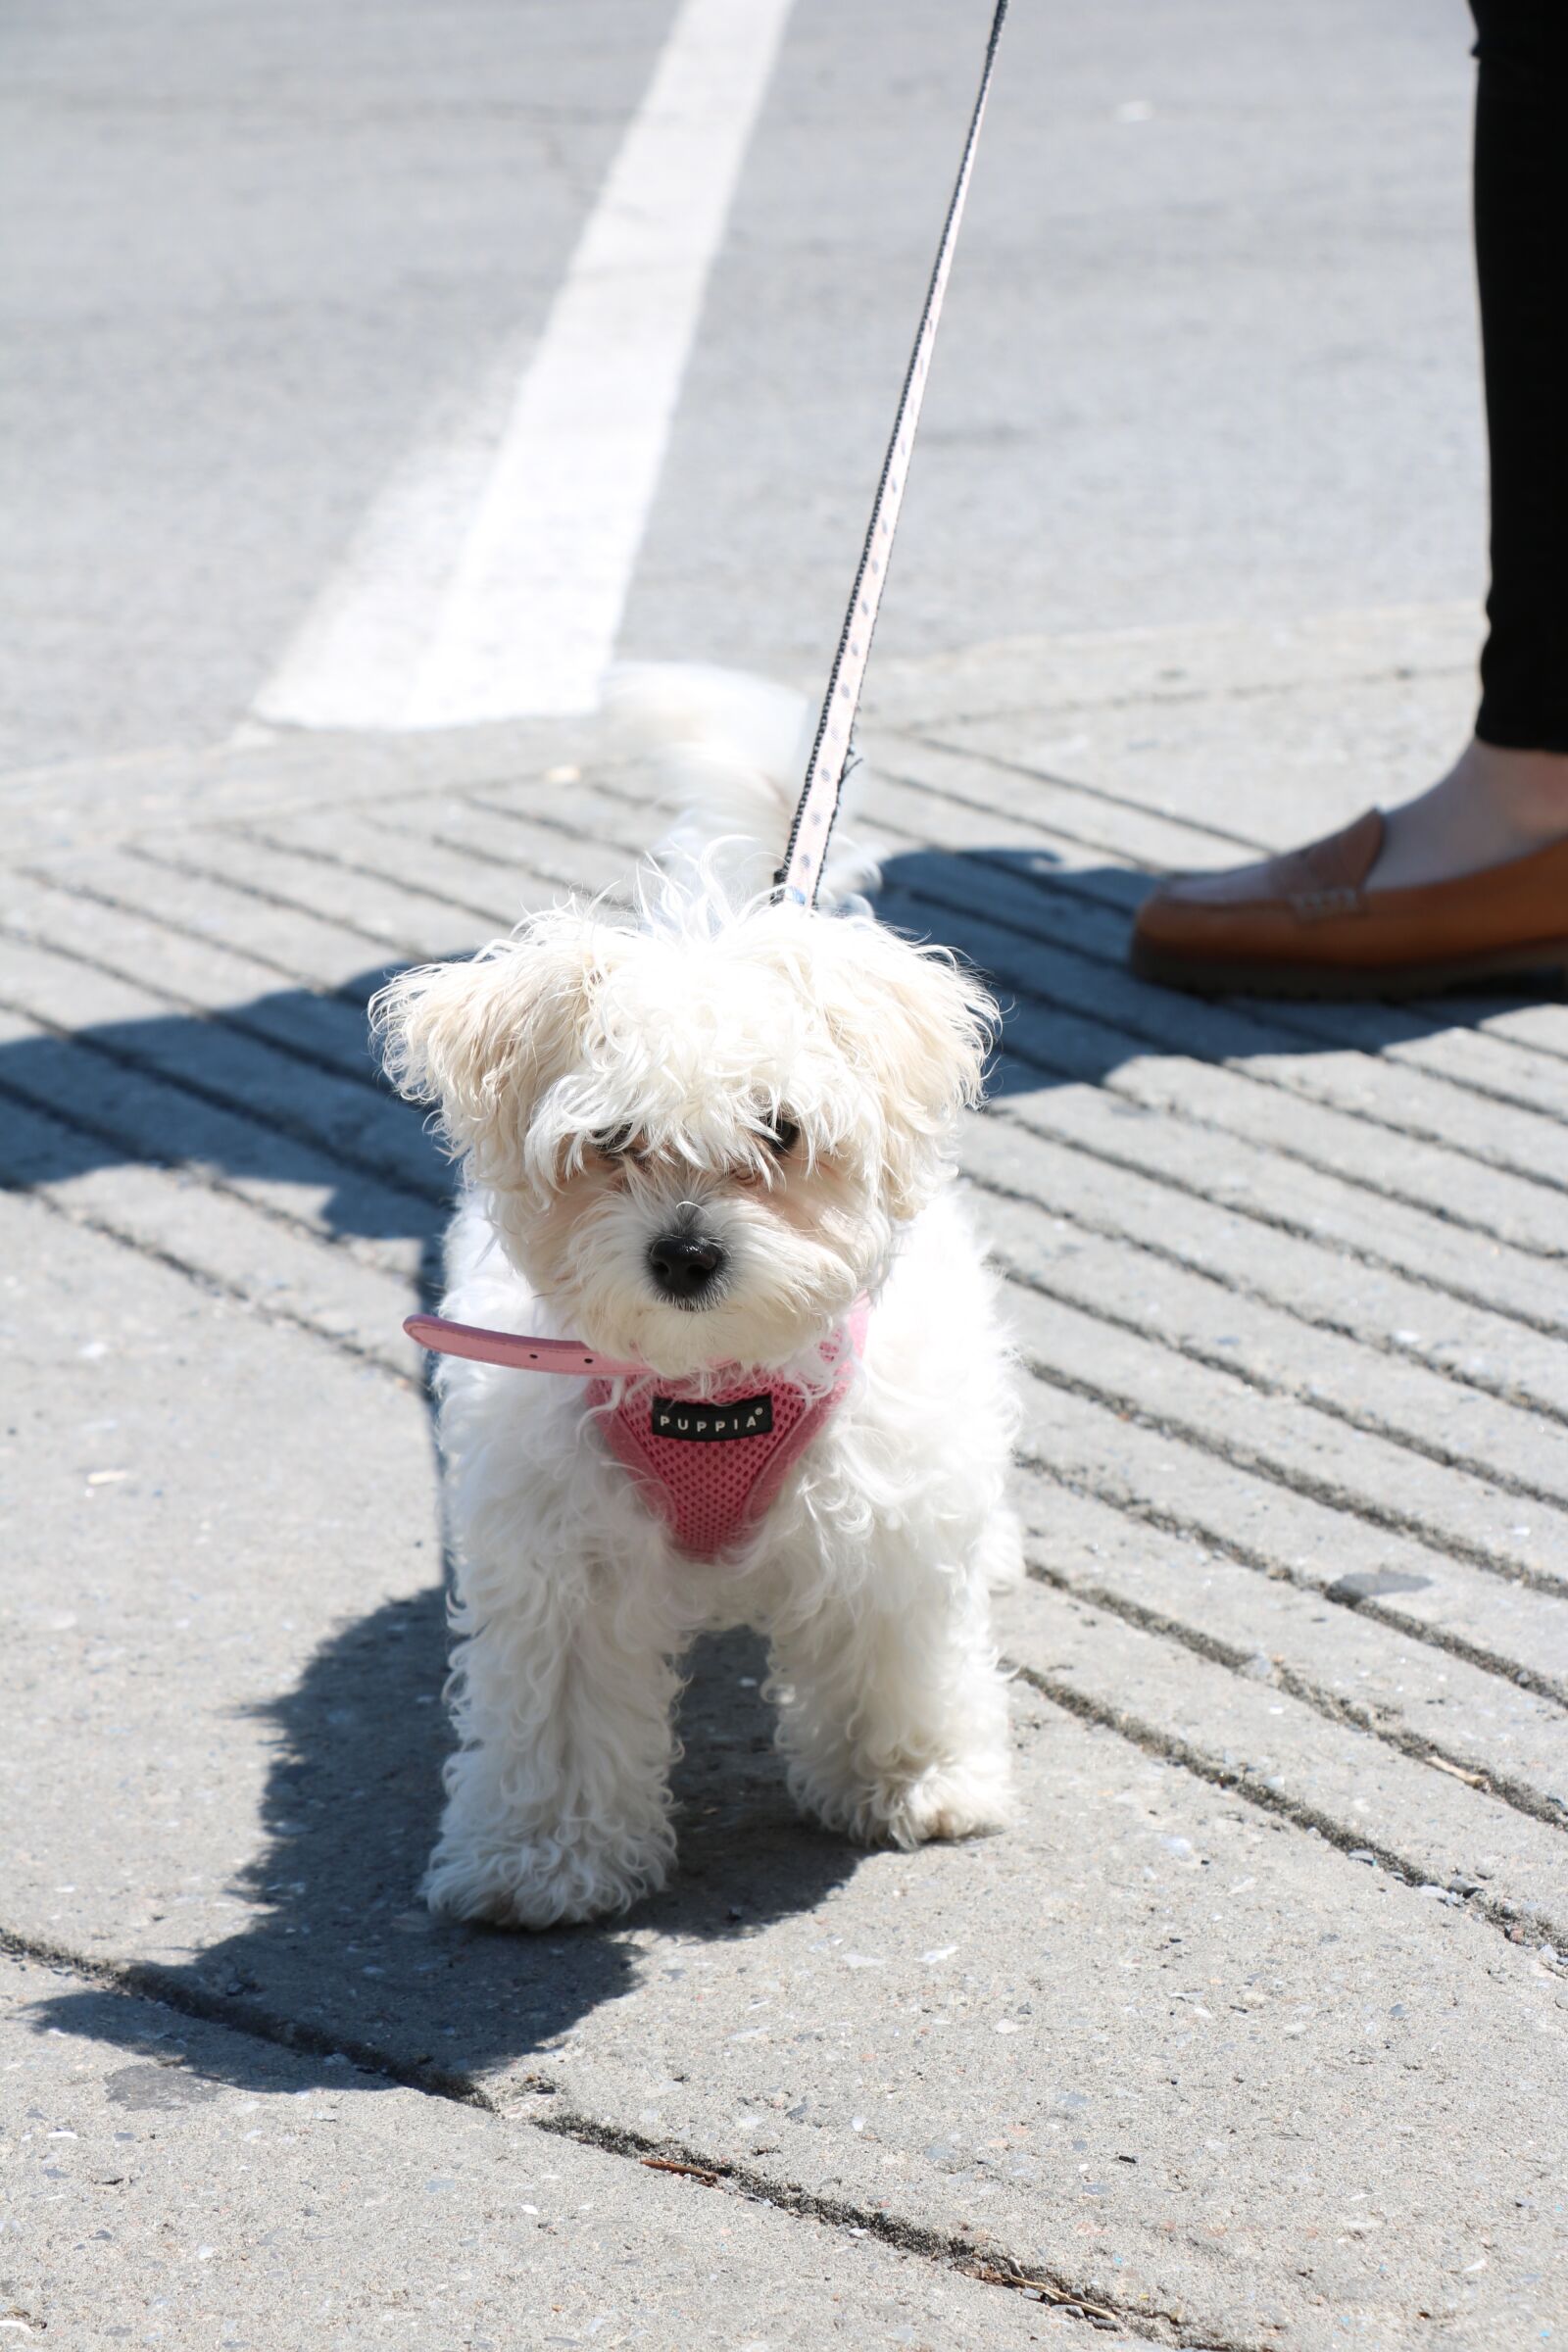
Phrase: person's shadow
{"type": "Point", "coordinates": [1053, 943]}
{"type": "Point", "coordinates": [338, 1956]}
{"type": "Point", "coordinates": [280, 1090]}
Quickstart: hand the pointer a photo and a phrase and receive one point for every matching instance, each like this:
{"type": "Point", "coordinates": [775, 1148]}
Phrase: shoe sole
{"type": "Point", "coordinates": [1220, 976]}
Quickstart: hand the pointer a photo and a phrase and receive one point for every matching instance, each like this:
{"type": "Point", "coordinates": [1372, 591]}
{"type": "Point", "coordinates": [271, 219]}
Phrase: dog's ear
{"type": "Point", "coordinates": [916, 1027]}
{"type": "Point", "coordinates": [482, 1040]}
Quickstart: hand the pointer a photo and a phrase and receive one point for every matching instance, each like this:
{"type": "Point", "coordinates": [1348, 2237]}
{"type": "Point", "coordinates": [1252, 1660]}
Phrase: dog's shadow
{"type": "Point", "coordinates": [338, 1956]}
{"type": "Point", "coordinates": [339, 1959]}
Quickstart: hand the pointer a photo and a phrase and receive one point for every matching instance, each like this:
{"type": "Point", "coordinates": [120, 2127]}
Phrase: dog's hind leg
{"type": "Point", "coordinates": [557, 1803]}
{"type": "Point", "coordinates": [893, 1712]}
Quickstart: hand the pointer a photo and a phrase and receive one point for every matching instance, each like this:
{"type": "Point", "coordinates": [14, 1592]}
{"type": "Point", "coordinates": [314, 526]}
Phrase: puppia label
{"type": "Point", "coordinates": [702, 1424]}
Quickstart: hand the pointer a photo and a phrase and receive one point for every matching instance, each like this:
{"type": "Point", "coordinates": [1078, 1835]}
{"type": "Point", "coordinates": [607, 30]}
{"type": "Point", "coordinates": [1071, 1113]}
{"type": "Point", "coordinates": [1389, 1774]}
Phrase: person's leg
{"type": "Point", "coordinates": [1470, 880]}
{"type": "Point", "coordinates": [1508, 793]}
{"type": "Point", "coordinates": [1521, 214]}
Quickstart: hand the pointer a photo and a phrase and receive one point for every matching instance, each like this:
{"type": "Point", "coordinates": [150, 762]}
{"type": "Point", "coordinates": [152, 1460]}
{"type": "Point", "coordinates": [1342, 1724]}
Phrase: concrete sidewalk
{"type": "Point", "coordinates": [1255, 2034]}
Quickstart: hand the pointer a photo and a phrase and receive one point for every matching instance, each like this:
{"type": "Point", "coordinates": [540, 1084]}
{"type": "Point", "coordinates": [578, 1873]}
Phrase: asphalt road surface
{"type": "Point", "coordinates": [282, 283]}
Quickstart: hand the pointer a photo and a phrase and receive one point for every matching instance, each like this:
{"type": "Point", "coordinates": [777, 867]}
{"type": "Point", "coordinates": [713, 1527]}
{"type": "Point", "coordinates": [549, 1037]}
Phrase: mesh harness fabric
{"type": "Point", "coordinates": [709, 1466]}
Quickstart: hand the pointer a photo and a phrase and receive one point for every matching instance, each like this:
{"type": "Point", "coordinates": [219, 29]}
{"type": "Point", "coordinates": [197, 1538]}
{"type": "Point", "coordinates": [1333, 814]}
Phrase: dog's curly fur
{"type": "Point", "coordinates": [794, 1078]}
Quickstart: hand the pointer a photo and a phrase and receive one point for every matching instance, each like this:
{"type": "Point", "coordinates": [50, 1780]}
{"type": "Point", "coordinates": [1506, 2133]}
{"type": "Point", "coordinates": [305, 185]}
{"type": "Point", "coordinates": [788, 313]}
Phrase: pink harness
{"type": "Point", "coordinates": [709, 1466]}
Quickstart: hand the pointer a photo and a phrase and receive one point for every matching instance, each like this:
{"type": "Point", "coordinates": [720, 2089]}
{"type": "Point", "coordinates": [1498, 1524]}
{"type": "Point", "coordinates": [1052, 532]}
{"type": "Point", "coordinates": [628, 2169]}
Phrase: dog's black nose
{"type": "Point", "coordinates": [685, 1265]}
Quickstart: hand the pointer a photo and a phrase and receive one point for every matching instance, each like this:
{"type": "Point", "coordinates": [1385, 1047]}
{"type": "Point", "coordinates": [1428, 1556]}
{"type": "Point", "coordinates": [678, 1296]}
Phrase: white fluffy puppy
{"type": "Point", "coordinates": [696, 1139]}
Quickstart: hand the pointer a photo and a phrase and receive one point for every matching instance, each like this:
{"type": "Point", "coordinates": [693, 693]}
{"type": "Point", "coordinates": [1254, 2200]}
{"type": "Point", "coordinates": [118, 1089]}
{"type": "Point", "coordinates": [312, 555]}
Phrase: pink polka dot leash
{"type": "Point", "coordinates": [833, 751]}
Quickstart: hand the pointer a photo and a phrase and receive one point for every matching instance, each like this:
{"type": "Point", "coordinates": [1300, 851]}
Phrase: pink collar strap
{"type": "Point", "coordinates": [518, 1350]}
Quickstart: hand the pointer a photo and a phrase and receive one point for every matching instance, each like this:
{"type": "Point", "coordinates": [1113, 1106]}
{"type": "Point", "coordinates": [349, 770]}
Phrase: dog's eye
{"type": "Point", "coordinates": [783, 1135]}
{"type": "Point", "coordinates": [615, 1143]}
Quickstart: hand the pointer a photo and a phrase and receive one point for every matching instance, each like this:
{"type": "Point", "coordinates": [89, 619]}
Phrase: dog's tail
{"type": "Point", "coordinates": [722, 755]}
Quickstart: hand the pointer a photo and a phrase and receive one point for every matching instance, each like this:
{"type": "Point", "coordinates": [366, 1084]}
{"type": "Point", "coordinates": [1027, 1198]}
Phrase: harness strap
{"type": "Point", "coordinates": [832, 753]}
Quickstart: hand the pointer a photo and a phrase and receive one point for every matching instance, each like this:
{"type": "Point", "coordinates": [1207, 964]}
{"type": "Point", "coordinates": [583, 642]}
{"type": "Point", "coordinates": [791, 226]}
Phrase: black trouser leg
{"type": "Point", "coordinates": [1521, 206]}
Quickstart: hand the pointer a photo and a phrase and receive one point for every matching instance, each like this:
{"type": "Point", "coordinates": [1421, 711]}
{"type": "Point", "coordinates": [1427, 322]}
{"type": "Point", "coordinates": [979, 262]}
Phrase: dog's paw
{"type": "Point", "coordinates": [950, 1801]}
{"type": "Point", "coordinates": [969, 1798]}
{"type": "Point", "coordinates": [545, 1885]}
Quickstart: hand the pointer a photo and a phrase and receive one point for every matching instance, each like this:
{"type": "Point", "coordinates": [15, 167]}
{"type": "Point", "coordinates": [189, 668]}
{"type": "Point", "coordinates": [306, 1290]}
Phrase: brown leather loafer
{"type": "Point", "coordinates": [1305, 926]}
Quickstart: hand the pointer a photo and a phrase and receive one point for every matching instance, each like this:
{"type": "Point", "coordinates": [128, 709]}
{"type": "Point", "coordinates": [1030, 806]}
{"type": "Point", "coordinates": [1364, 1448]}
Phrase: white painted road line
{"type": "Point", "coordinates": [488, 580]}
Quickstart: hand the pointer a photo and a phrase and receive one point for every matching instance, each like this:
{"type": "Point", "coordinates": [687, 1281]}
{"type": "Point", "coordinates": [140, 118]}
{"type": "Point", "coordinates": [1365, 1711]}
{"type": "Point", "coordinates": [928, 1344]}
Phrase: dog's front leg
{"type": "Point", "coordinates": [558, 1801]}
{"type": "Point", "coordinates": [893, 1711]}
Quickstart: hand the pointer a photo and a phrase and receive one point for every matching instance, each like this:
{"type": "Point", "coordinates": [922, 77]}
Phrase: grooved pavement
{"type": "Point", "coordinates": [1252, 2034]}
